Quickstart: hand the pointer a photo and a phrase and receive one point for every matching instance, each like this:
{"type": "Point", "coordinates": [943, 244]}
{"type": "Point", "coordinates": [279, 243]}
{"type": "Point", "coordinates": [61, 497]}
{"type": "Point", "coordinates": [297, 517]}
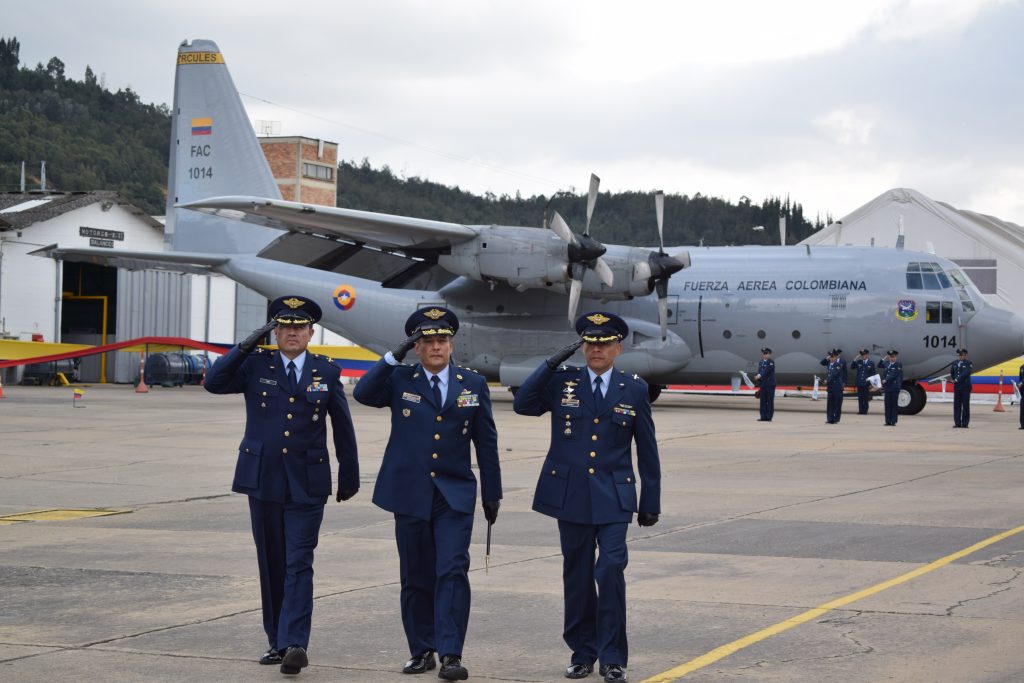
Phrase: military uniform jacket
{"type": "Point", "coordinates": [587, 476]}
{"type": "Point", "coordinates": [892, 375]}
{"type": "Point", "coordinates": [864, 368]}
{"type": "Point", "coordinates": [960, 373]}
{"type": "Point", "coordinates": [284, 451]}
{"type": "Point", "coordinates": [836, 373]}
{"type": "Point", "coordinates": [766, 368]}
{"type": "Point", "coordinates": [429, 444]}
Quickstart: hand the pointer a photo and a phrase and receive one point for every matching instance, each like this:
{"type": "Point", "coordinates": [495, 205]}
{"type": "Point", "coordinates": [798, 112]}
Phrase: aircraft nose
{"type": "Point", "coordinates": [996, 332]}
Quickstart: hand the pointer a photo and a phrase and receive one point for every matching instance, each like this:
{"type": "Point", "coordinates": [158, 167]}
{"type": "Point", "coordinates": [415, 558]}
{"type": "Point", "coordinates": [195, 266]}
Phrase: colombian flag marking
{"type": "Point", "coordinates": [202, 126]}
{"type": "Point", "coordinates": [344, 297]}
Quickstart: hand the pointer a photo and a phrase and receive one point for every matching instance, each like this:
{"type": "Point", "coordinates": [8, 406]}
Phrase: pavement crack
{"type": "Point", "coordinates": [1003, 587]}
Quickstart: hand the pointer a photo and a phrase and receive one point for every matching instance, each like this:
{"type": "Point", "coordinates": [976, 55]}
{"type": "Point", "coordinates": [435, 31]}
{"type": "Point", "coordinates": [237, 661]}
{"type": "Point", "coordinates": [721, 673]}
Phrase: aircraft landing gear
{"type": "Point", "coordinates": [911, 399]}
{"type": "Point", "coordinates": [654, 391]}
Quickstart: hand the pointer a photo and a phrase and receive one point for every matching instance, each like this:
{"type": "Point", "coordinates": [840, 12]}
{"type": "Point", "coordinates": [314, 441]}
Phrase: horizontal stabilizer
{"type": "Point", "coordinates": [179, 262]}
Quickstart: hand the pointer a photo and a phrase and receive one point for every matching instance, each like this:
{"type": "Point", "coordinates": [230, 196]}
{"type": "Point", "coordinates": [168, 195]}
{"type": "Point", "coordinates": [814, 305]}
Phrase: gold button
{"type": "Point", "coordinates": [434, 456]}
{"type": "Point", "coordinates": [284, 450]}
{"type": "Point", "coordinates": [437, 437]}
{"type": "Point", "coordinates": [289, 416]}
{"type": "Point", "coordinates": [264, 393]}
{"type": "Point", "coordinates": [247, 450]}
{"type": "Point", "coordinates": [593, 454]}
{"type": "Point", "coordinates": [552, 471]}
{"type": "Point", "coordinates": [567, 416]}
{"type": "Point", "coordinates": [596, 420]}
{"type": "Point", "coordinates": [438, 418]}
{"type": "Point", "coordinates": [628, 479]}
{"type": "Point", "coordinates": [291, 399]}
{"type": "Point", "coordinates": [594, 437]}
{"type": "Point", "coordinates": [318, 400]}
{"type": "Point", "coordinates": [433, 474]}
{"type": "Point", "coordinates": [287, 433]}
{"type": "Point", "coordinates": [591, 470]}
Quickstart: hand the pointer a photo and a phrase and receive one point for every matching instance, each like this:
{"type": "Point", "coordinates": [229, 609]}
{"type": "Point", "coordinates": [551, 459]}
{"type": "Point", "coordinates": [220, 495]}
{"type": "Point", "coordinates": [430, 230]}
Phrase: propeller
{"type": "Point", "coordinates": [584, 251]}
{"type": "Point", "coordinates": [659, 266]}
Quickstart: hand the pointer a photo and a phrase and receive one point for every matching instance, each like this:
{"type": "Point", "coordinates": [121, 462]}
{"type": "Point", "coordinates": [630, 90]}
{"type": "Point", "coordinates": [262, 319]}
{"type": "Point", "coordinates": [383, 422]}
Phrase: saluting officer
{"type": "Point", "coordinates": [425, 479]}
{"type": "Point", "coordinates": [892, 382]}
{"type": "Point", "coordinates": [1020, 390]}
{"type": "Point", "coordinates": [766, 377]}
{"type": "Point", "coordinates": [960, 373]}
{"type": "Point", "coordinates": [835, 382]}
{"type": "Point", "coordinates": [284, 466]}
{"type": "Point", "coordinates": [865, 368]}
{"type": "Point", "coordinates": [588, 484]}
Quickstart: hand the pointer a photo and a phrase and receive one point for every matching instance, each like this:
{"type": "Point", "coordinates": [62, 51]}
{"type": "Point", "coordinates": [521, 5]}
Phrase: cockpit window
{"type": "Point", "coordinates": [923, 275]}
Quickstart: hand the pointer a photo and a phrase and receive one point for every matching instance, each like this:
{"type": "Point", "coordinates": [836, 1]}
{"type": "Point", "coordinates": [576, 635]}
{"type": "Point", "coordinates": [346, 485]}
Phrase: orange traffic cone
{"type": "Point", "coordinates": [141, 387]}
{"type": "Point", "coordinates": [999, 401]}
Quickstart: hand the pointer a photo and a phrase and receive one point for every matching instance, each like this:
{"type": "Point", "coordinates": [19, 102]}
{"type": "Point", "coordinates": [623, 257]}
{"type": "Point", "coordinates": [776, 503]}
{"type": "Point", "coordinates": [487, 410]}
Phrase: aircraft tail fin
{"type": "Point", "coordinates": [214, 152]}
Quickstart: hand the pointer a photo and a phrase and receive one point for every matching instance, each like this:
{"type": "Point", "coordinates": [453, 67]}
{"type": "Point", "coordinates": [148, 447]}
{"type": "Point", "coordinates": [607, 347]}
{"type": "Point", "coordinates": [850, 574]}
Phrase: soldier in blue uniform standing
{"type": "Point", "coordinates": [865, 368]}
{"type": "Point", "coordinates": [437, 410]}
{"type": "Point", "coordinates": [766, 383]}
{"type": "Point", "coordinates": [1020, 390]}
{"type": "Point", "coordinates": [835, 382]}
{"type": "Point", "coordinates": [284, 465]}
{"type": "Point", "coordinates": [588, 484]}
{"type": "Point", "coordinates": [960, 373]}
{"type": "Point", "coordinates": [892, 382]}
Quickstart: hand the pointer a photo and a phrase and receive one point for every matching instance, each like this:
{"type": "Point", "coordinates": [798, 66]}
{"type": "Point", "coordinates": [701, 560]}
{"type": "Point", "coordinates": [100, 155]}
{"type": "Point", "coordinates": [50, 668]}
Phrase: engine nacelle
{"type": "Point", "coordinates": [522, 257]}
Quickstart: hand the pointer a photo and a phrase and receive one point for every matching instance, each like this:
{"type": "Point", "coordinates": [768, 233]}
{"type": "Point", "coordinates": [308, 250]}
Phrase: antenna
{"type": "Point", "coordinates": [267, 127]}
{"type": "Point", "coordinates": [22, 186]}
{"type": "Point", "coordinates": [42, 176]}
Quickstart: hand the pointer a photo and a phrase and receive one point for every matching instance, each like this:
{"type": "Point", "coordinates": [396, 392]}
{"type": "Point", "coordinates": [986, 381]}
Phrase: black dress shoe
{"type": "Point", "coordinates": [577, 670]}
{"type": "Point", "coordinates": [420, 663]}
{"type": "Point", "coordinates": [294, 660]}
{"type": "Point", "coordinates": [613, 673]}
{"type": "Point", "coordinates": [452, 669]}
{"type": "Point", "coordinates": [271, 656]}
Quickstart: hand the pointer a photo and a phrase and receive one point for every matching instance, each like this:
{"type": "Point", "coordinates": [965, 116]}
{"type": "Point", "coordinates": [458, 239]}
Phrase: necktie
{"type": "Point", "coordinates": [436, 389]}
{"type": "Point", "coordinates": [598, 396]}
{"type": "Point", "coordinates": [291, 375]}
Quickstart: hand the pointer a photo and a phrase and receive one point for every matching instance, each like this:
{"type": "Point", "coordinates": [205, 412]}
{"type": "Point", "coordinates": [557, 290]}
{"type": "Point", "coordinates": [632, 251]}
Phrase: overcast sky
{"type": "Point", "coordinates": [831, 103]}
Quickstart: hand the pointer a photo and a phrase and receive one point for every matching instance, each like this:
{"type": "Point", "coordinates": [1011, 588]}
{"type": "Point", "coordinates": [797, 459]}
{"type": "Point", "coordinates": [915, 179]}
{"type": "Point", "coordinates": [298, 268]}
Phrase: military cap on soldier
{"type": "Point", "coordinates": [961, 352]}
{"type": "Point", "coordinates": [294, 310]}
{"type": "Point", "coordinates": [892, 352]}
{"type": "Point", "coordinates": [863, 352]}
{"type": "Point", "coordinates": [599, 327]}
{"type": "Point", "coordinates": [766, 350]}
{"type": "Point", "coordinates": [835, 352]}
{"type": "Point", "coordinates": [431, 321]}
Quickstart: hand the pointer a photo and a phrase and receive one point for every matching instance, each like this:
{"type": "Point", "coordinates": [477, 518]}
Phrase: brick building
{"type": "Point", "coordinates": [306, 170]}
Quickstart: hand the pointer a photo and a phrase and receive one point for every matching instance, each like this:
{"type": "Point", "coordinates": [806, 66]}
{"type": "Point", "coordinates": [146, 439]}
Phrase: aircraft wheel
{"type": "Point", "coordinates": [654, 391]}
{"type": "Point", "coordinates": [912, 398]}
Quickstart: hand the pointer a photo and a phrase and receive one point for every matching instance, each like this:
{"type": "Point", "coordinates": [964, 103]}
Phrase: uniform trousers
{"type": "Point", "coordinates": [433, 558]}
{"type": "Point", "coordinates": [892, 412]}
{"type": "Point", "coordinates": [767, 402]}
{"type": "Point", "coordinates": [834, 403]}
{"type": "Point", "coordinates": [595, 593]}
{"type": "Point", "coordinates": [286, 535]}
{"type": "Point", "coordinates": [961, 407]}
{"type": "Point", "coordinates": [863, 399]}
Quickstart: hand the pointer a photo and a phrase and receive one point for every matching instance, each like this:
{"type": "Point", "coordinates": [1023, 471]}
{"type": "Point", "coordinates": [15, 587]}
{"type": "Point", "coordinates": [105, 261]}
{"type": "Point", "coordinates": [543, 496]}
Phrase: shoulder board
{"type": "Point", "coordinates": [328, 359]}
{"type": "Point", "coordinates": [467, 369]}
{"type": "Point", "coordinates": [568, 368]}
{"type": "Point", "coordinates": [260, 349]}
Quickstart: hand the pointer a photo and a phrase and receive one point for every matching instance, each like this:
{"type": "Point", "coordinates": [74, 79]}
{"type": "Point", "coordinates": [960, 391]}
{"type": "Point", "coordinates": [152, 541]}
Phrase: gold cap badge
{"type": "Point", "coordinates": [597, 318]}
{"type": "Point", "coordinates": [293, 303]}
{"type": "Point", "coordinates": [433, 313]}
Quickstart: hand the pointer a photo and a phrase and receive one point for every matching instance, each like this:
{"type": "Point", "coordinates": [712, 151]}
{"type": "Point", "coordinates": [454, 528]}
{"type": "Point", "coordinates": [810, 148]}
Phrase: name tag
{"type": "Point", "coordinates": [412, 398]}
{"type": "Point", "coordinates": [570, 402]}
{"type": "Point", "coordinates": [467, 401]}
{"type": "Point", "coordinates": [264, 380]}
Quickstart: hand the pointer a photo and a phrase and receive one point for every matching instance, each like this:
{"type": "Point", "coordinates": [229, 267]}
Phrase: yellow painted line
{"type": "Point", "coordinates": [811, 614]}
{"type": "Point", "coordinates": [53, 515]}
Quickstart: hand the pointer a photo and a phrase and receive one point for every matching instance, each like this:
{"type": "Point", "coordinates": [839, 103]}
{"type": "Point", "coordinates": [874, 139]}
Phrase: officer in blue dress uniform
{"type": "Point", "coordinates": [835, 382]}
{"type": "Point", "coordinates": [960, 373]}
{"type": "Point", "coordinates": [892, 382]}
{"type": "Point", "coordinates": [588, 484]}
{"type": "Point", "coordinates": [766, 382]}
{"type": "Point", "coordinates": [865, 368]}
{"type": "Point", "coordinates": [284, 465]}
{"type": "Point", "coordinates": [1020, 390]}
{"type": "Point", "coordinates": [425, 479]}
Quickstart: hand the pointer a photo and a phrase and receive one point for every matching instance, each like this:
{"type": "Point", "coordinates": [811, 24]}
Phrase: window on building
{"type": "Point", "coordinates": [317, 172]}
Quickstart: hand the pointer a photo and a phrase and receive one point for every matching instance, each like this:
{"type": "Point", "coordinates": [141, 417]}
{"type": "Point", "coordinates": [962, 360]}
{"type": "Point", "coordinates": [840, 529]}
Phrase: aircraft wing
{"type": "Point", "coordinates": [363, 227]}
{"type": "Point", "coordinates": [177, 261]}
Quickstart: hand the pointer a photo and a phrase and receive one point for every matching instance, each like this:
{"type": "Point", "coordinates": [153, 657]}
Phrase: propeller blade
{"type": "Point", "coordinates": [604, 272]}
{"type": "Point", "coordinates": [561, 228]}
{"type": "Point", "coordinates": [595, 183]}
{"type": "Point", "coordinates": [659, 208]}
{"type": "Point", "coordinates": [574, 299]}
{"type": "Point", "coordinates": [663, 316]}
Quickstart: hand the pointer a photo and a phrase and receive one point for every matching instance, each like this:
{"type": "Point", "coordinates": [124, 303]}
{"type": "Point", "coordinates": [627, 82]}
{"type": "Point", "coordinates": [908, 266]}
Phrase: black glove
{"type": "Point", "coordinates": [491, 510]}
{"type": "Point", "coordinates": [398, 353]}
{"type": "Point", "coordinates": [563, 353]}
{"type": "Point", "coordinates": [646, 518]}
{"type": "Point", "coordinates": [250, 342]}
{"type": "Point", "coordinates": [345, 494]}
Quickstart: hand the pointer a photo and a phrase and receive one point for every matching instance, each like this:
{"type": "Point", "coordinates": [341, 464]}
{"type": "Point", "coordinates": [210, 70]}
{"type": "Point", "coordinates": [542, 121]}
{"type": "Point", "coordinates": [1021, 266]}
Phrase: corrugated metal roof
{"type": "Point", "coordinates": [19, 210]}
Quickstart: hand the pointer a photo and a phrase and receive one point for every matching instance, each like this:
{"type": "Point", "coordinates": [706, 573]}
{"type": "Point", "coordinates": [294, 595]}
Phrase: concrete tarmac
{"type": "Point", "coordinates": [761, 523]}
